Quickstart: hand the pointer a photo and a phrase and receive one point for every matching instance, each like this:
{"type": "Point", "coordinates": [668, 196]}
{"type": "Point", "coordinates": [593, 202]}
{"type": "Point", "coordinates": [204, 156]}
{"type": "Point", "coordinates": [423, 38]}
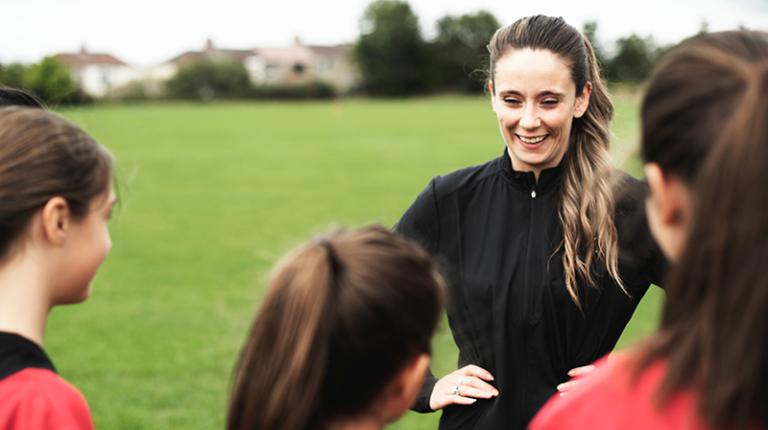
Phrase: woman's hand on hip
{"type": "Point", "coordinates": [576, 374]}
{"type": "Point", "coordinates": [462, 387]}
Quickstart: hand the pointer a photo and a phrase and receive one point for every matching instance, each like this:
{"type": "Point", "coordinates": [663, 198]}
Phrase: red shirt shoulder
{"type": "Point", "coordinates": [610, 398]}
{"type": "Point", "coordinates": [34, 399]}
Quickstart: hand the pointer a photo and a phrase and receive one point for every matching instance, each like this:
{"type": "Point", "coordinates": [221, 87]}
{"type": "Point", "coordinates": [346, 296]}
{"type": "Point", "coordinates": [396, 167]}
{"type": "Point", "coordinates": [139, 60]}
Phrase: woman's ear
{"type": "Point", "coordinates": [582, 101]}
{"type": "Point", "coordinates": [56, 219]}
{"type": "Point", "coordinates": [491, 94]}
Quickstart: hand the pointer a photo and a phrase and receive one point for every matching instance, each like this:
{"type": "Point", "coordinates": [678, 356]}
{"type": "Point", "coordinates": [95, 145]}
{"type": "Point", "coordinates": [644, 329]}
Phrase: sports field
{"type": "Point", "coordinates": [211, 195]}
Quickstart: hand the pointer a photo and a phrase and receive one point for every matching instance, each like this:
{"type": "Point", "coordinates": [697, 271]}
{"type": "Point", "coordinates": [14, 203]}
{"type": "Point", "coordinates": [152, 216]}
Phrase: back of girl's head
{"type": "Point", "coordinates": [17, 97]}
{"type": "Point", "coordinates": [342, 316]}
{"type": "Point", "coordinates": [705, 122]}
{"type": "Point", "coordinates": [44, 156]}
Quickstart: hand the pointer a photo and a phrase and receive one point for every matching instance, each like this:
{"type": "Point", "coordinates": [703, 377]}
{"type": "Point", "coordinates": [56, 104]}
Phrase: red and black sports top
{"type": "Point", "coordinates": [32, 395]}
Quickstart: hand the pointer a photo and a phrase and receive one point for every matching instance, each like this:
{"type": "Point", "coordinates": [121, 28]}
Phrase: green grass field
{"type": "Point", "coordinates": [211, 195]}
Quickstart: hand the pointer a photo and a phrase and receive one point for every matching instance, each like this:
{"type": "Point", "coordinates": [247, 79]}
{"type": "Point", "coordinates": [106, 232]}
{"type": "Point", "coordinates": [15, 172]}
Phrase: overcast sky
{"type": "Point", "coordinates": [144, 32]}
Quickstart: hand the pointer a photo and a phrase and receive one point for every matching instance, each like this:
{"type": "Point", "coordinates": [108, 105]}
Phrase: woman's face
{"type": "Point", "coordinates": [535, 101]}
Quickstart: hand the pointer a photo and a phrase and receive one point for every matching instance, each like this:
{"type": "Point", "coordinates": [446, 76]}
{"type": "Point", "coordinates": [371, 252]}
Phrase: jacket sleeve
{"type": "Point", "coordinates": [637, 246]}
{"type": "Point", "coordinates": [422, 401]}
{"type": "Point", "coordinates": [420, 224]}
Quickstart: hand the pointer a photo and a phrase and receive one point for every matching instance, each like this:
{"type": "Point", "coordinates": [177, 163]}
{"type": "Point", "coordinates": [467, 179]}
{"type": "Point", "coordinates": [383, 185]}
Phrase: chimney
{"type": "Point", "coordinates": [209, 45]}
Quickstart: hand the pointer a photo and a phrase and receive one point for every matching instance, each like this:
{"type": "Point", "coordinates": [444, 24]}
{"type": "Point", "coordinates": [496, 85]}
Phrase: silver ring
{"type": "Point", "coordinates": [456, 390]}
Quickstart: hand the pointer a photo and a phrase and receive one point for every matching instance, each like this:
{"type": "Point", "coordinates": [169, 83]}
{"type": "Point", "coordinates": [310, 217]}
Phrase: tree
{"type": "Point", "coordinates": [590, 32]}
{"type": "Point", "coordinates": [50, 80]}
{"type": "Point", "coordinates": [12, 75]}
{"type": "Point", "coordinates": [459, 52]}
{"type": "Point", "coordinates": [207, 80]}
{"type": "Point", "coordinates": [634, 59]}
{"type": "Point", "coordinates": [390, 51]}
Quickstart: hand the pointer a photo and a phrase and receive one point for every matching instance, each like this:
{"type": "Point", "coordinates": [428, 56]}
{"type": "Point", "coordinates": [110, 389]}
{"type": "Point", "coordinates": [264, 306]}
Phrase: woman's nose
{"type": "Point", "coordinates": [530, 119]}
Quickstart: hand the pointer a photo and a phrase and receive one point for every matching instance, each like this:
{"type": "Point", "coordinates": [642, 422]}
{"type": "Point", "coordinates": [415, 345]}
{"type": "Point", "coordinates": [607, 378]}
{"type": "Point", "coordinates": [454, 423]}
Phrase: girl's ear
{"type": "Point", "coordinates": [582, 101]}
{"type": "Point", "coordinates": [56, 219]}
{"type": "Point", "coordinates": [668, 208]}
{"type": "Point", "coordinates": [404, 388]}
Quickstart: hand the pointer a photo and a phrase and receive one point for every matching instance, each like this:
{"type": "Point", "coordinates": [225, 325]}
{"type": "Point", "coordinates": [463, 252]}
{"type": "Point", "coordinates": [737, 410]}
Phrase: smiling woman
{"type": "Point", "coordinates": [545, 248]}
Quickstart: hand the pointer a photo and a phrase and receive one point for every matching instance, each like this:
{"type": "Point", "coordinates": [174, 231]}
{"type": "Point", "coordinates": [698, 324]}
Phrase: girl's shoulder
{"type": "Point", "coordinates": [616, 396]}
{"type": "Point", "coordinates": [40, 398]}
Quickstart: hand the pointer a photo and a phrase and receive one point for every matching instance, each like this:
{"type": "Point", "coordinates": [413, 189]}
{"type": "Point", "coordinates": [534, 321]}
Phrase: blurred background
{"type": "Point", "coordinates": [242, 128]}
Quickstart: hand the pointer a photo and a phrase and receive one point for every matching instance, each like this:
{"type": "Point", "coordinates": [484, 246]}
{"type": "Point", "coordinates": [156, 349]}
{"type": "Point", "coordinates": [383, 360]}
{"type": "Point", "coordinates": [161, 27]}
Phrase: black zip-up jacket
{"type": "Point", "coordinates": [496, 234]}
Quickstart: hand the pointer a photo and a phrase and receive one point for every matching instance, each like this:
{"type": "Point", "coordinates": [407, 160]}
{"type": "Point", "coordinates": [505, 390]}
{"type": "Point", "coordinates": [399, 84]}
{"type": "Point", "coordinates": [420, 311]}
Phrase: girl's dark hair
{"type": "Point", "coordinates": [43, 156]}
{"type": "Point", "coordinates": [590, 241]}
{"type": "Point", "coordinates": [17, 97]}
{"type": "Point", "coordinates": [343, 314]}
{"type": "Point", "coordinates": [705, 121]}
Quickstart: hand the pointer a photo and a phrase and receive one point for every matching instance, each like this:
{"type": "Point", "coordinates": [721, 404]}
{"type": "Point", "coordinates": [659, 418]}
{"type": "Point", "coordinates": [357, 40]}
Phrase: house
{"type": "Point", "coordinates": [97, 73]}
{"type": "Point", "coordinates": [293, 65]}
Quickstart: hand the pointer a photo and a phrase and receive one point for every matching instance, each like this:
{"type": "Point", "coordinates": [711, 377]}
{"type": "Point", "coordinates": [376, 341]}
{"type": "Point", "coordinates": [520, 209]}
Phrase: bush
{"type": "Point", "coordinates": [209, 80]}
{"type": "Point", "coordinates": [12, 75]}
{"type": "Point", "coordinates": [50, 81]}
{"type": "Point", "coordinates": [132, 92]}
{"type": "Point", "coordinates": [312, 90]}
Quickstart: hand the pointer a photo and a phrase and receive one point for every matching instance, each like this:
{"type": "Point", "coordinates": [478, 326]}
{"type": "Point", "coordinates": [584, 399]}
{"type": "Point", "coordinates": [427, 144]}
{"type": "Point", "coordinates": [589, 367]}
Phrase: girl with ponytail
{"type": "Point", "coordinates": [546, 249]}
{"type": "Point", "coordinates": [705, 145]}
{"type": "Point", "coordinates": [342, 339]}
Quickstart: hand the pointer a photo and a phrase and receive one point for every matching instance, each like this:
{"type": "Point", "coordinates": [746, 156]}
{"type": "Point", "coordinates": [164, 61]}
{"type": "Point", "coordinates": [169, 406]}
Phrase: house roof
{"type": "Point", "coordinates": [190, 57]}
{"type": "Point", "coordinates": [83, 58]}
{"type": "Point", "coordinates": [293, 54]}
{"type": "Point", "coordinates": [332, 50]}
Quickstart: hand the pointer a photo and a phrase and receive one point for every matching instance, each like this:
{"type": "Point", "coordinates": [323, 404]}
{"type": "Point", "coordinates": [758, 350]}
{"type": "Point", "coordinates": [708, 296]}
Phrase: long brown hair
{"type": "Point", "coordinates": [343, 314]}
{"type": "Point", "coordinates": [587, 206]}
{"type": "Point", "coordinates": [42, 156]}
{"type": "Point", "coordinates": [705, 121]}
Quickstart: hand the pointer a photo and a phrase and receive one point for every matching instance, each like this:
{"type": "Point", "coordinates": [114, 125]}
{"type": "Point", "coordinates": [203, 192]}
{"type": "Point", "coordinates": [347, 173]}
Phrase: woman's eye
{"type": "Point", "coordinates": [550, 102]}
{"type": "Point", "coordinates": [511, 101]}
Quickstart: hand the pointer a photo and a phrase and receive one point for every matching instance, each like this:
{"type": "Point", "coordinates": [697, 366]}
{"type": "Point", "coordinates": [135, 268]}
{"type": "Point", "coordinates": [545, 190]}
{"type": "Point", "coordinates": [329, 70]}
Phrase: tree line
{"type": "Point", "coordinates": [393, 56]}
{"type": "Point", "coordinates": [395, 59]}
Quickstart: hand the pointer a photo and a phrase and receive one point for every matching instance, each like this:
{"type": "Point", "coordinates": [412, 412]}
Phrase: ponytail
{"type": "Point", "coordinates": [342, 316]}
{"type": "Point", "coordinates": [279, 377]}
{"type": "Point", "coordinates": [587, 207]}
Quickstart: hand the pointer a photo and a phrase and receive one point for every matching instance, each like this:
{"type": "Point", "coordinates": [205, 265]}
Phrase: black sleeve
{"type": "Point", "coordinates": [420, 223]}
{"type": "Point", "coordinates": [657, 265]}
{"type": "Point", "coordinates": [636, 243]}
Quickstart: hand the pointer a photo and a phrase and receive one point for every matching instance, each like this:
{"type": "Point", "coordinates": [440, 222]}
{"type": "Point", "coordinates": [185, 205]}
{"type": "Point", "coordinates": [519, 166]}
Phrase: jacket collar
{"type": "Point", "coordinates": [549, 179]}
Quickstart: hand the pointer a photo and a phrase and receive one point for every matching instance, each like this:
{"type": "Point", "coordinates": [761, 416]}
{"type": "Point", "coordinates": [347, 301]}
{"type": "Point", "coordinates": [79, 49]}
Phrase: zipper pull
{"type": "Point", "coordinates": [533, 193]}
